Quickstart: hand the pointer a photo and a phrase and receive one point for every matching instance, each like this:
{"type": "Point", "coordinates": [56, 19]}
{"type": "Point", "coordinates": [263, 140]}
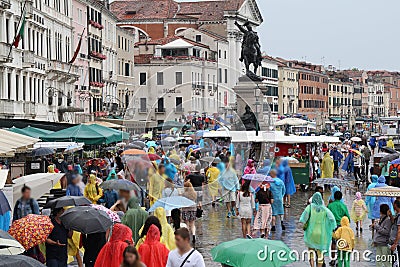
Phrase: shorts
{"type": "Point", "coordinates": [199, 196]}
{"type": "Point", "coordinates": [318, 253]}
{"type": "Point", "coordinates": [230, 196]}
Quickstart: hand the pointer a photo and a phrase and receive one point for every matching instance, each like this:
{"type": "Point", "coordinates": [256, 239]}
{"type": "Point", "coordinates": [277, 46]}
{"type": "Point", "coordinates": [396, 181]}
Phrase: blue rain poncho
{"type": "Point", "coordinates": [265, 168]}
{"type": "Point", "coordinates": [285, 174]}
{"type": "Point", "coordinates": [333, 191]}
{"type": "Point", "coordinates": [381, 200]}
{"type": "Point", "coordinates": [321, 224]}
{"type": "Point", "coordinates": [369, 201]}
{"type": "Point", "coordinates": [278, 191]}
{"type": "Point", "coordinates": [170, 169]}
{"type": "Point", "coordinates": [229, 180]}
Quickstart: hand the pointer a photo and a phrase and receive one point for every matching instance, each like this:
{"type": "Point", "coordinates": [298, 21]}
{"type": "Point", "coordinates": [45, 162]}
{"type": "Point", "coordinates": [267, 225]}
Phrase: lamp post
{"type": "Point", "coordinates": [257, 93]}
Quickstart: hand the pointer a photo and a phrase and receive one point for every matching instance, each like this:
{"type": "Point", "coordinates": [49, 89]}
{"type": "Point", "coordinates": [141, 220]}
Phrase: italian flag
{"type": "Point", "coordinates": [20, 34]}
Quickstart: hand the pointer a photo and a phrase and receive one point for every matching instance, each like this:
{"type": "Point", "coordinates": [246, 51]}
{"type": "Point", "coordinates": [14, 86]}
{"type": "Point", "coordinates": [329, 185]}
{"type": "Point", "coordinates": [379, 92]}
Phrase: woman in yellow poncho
{"type": "Point", "coordinates": [50, 169]}
{"type": "Point", "coordinates": [212, 175]}
{"type": "Point", "coordinates": [327, 166]}
{"type": "Point", "coordinates": [156, 184]}
{"type": "Point", "coordinates": [390, 143]}
{"type": "Point", "coordinates": [167, 231]}
{"type": "Point", "coordinates": [151, 150]}
{"type": "Point", "coordinates": [92, 191]}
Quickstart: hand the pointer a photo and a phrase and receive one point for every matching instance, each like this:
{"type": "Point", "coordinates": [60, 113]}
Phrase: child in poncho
{"type": "Point", "coordinates": [358, 211]}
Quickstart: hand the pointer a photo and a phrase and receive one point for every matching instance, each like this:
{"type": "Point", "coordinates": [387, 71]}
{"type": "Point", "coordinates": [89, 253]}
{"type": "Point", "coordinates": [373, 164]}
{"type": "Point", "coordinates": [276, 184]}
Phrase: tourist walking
{"type": "Point", "coordinates": [176, 219]}
{"type": "Point", "coordinates": [245, 208]}
{"type": "Point", "coordinates": [318, 224]}
{"type": "Point", "coordinates": [25, 205]}
{"type": "Point", "coordinates": [92, 190]}
{"type": "Point", "coordinates": [381, 237]}
{"type": "Point", "coordinates": [184, 254]}
{"type": "Point", "coordinates": [230, 184]}
{"type": "Point", "coordinates": [212, 175]}
{"type": "Point", "coordinates": [135, 218]}
{"type": "Point", "coordinates": [278, 190]}
{"type": "Point", "coordinates": [167, 231]}
{"type": "Point", "coordinates": [153, 253]}
{"type": "Point", "coordinates": [345, 242]}
{"type": "Point", "coordinates": [358, 211]}
{"type": "Point", "coordinates": [285, 174]}
{"type": "Point", "coordinates": [370, 201]}
{"type": "Point", "coordinates": [189, 213]}
{"type": "Point", "coordinates": [263, 218]}
{"type": "Point", "coordinates": [327, 166]}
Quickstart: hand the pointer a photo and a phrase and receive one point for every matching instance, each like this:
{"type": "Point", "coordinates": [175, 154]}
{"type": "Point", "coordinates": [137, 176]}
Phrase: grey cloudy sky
{"type": "Point", "coordinates": [356, 33]}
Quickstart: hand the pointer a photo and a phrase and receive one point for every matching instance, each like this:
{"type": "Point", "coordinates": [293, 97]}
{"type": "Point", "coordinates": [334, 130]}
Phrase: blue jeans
{"type": "Point", "coordinates": [55, 263]}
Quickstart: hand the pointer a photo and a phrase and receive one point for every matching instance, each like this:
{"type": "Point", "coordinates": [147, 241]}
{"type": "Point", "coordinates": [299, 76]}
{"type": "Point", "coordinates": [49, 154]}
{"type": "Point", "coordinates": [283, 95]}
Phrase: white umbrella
{"type": "Point", "coordinates": [382, 138]}
{"type": "Point", "coordinates": [356, 139]}
{"type": "Point", "coordinates": [8, 245]}
{"type": "Point", "coordinates": [73, 148]}
{"type": "Point", "coordinates": [337, 134]}
{"type": "Point", "coordinates": [292, 122]}
{"type": "Point", "coordinates": [40, 183]}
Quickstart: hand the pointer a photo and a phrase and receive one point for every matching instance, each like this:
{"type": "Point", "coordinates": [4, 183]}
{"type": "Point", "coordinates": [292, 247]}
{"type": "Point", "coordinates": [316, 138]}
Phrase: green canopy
{"type": "Point", "coordinates": [31, 131]}
{"type": "Point", "coordinates": [170, 124]}
{"type": "Point", "coordinates": [83, 134]}
{"type": "Point", "coordinates": [119, 135]}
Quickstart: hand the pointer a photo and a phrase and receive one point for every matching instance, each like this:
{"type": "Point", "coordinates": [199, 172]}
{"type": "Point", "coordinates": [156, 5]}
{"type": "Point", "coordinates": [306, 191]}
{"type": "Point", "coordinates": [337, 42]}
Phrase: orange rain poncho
{"type": "Point", "coordinates": [111, 255]}
{"type": "Point", "coordinates": [152, 252]}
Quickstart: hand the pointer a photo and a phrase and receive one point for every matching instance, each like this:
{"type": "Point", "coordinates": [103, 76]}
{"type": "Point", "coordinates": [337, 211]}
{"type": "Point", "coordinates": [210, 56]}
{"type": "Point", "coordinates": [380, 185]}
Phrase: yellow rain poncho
{"type": "Point", "coordinates": [167, 231]}
{"type": "Point", "coordinates": [151, 150]}
{"type": "Point", "coordinates": [390, 143]}
{"type": "Point", "coordinates": [92, 191]}
{"type": "Point", "coordinates": [359, 210]}
{"type": "Point", "coordinates": [212, 175]}
{"type": "Point", "coordinates": [327, 166]}
{"type": "Point", "coordinates": [344, 232]}
{"type": "Point", "coordinates": [320, 224]}
{"type": "Point", "coordinates": [50, 169]}
{"type": "Point", "coordinates": [156, 186]}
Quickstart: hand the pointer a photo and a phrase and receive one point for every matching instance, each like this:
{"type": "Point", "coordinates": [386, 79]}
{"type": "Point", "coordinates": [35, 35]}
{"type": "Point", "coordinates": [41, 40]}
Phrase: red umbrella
{"type": "Point", "coordinates": [153, 157]}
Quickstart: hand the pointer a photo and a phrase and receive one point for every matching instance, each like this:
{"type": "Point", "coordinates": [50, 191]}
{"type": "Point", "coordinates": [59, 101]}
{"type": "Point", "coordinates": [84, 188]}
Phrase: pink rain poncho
{"type": "Point", "coordinates": [321, 223]}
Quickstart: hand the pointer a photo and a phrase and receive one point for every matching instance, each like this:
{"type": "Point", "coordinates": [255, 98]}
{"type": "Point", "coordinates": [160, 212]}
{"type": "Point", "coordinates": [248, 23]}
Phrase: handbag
{"type": "Point", "coordinates": [199, 213]}
{"type": "Point", "coordinates": [305, 226]}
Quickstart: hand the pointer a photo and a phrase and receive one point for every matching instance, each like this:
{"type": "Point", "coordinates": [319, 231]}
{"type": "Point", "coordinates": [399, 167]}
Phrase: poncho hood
{"type": "Point", "coordinates": [153, 235]}
{"type": "Point", "coordinates": [345, 221]}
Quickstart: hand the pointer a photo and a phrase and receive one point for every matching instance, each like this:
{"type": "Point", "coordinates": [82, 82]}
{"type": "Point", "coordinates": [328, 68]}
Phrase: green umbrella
{"type": "Point", "coordinates": [30, 131]}
{"type": "Point", "coordinates": [253, 253]}
{"type": "Point", "coordinates": [82, 134]}
{"type": "Point", "coordinates": [119, 135]}
{"type": "Point", "coordinates": [169, 125]}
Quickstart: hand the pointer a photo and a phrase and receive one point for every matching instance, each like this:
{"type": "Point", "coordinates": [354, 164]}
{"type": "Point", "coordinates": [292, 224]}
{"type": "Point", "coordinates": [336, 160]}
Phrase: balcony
{"type": "Point", "coordinates": [6, 107]}
{"type": "Point", "coordinates": [5, 4]}
{"type": "Point", "coordinates": [28, 60]}
{"type": "Point", "coordinates": [97, 55]}
{"type": "Point", "coordinates": [29, 108]}
{"type": "Point", "coordinates": [160, 110]}
{"type": "Point", "coordinates": [4, 51]}
{"type": "Point", "coordinates": [179, 110]}
{"type": "Point", "coordinates": [62, 71]}
{"type": "Point", "coordinates": [143, 110]}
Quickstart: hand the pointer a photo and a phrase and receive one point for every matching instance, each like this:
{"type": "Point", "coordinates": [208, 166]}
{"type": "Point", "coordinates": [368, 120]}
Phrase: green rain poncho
{"type": "Point", "coordinates": [135, 217]}
{"type": "Point", "coordinates": [321, 224]}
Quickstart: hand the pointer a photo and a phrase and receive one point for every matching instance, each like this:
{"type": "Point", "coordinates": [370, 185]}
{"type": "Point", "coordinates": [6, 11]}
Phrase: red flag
{"type": "Point", "coordinates": [21, 33]}
{"type": "Point", "coordinates": [78, 48]}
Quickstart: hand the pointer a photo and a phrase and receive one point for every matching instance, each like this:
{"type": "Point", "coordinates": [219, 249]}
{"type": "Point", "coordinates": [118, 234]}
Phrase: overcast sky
{"type": "Point", "coordinates": [353, 33]}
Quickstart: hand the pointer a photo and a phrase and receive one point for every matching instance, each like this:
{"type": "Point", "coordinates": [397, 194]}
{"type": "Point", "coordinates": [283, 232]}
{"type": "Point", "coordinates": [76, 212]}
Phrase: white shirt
{"type": "Point", "coordinates": [175, 259]}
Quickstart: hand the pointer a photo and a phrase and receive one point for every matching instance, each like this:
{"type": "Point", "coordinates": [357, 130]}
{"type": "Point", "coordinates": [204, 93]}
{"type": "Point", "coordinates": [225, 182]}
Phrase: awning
{"type": "Point", "coordinates": [11, 142]}
{"type": "Point", "coordinates": [3, 177]}
{"type": "Point", "coordinates": [70, 109]}
{"type": "Point", "coordinates": [30, 131]}
{"type": "Point", "coordinates": [177, 44]}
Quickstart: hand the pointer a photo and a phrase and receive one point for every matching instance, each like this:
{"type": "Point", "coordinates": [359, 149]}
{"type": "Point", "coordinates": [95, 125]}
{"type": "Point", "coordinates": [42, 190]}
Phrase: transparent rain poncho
{"type": "Point", "coordinates": [321, 224]}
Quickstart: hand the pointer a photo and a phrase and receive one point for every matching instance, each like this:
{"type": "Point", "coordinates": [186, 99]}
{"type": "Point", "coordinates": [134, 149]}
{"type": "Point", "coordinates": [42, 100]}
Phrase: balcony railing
{"type": "Point", "coordinates": [6, 107]}
{"type": "Point", "coordinates": [179, 110]}
{"type": "Point", "coordinates": [29, 108]}
{"type": "Point", "coordinates": [4, 50]}
{"type": "Point", "coordinates": [28, 60]}
{"type": "Point", "coordinates": [58, 66]}
{"type": "Point", "coordinates": [160, 110]}
{"type": "Point", "coordinates": [143, 110]}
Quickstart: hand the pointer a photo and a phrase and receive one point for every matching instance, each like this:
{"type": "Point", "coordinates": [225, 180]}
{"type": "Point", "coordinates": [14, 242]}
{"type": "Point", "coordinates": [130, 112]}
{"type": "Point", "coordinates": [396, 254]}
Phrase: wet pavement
{"type": "Point", "coordinates": [215, 228]}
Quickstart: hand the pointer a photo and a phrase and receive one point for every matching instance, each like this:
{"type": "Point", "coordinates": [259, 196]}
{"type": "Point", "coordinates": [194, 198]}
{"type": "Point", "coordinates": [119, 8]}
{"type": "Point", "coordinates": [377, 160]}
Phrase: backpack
{"type": "Point", "coordinates": [394, 173]}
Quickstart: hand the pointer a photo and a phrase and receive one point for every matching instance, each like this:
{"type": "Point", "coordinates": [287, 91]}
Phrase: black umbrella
{"type": "Point", "coordinates": [119, 184]}
{"type": "Point", "coordinates": [140, 144]}
{"type": "Point", "coordinates": [19, 260]}
{"type": "Point", "coordinates": [68, 201]}
{"type": "Point", "coordinates": [390, 157]}
{"type": "Point", "coordinates": [4, 205]}
{"type": "Point", "coordinates": [42, 151]}
{"type": "Point", "coordinates": [86, 220]}
{"type": "Point", "coordinates": [388, 150]}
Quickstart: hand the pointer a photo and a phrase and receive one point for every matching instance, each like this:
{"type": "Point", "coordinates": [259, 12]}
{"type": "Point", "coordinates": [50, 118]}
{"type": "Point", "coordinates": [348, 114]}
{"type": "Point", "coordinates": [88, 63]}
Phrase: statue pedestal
{"type": "Point", "coordinates": [249, 93]}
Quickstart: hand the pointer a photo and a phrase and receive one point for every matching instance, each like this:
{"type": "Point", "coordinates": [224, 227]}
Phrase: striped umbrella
{"type": "Point", "coordinates": [332, 181]}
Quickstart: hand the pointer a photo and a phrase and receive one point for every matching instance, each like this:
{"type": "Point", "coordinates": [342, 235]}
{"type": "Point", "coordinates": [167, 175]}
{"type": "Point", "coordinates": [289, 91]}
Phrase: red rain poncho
{"type": "Point", "coordinates": [111, 255]}
{"type": "Point", "coordinates": [152, 252]}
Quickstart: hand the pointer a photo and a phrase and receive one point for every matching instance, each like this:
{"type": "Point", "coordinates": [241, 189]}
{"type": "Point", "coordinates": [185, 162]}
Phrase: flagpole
{"type": "Point", "coordinates": [70, 66]}
{"type": "Point", "coordinates": [16, 30]}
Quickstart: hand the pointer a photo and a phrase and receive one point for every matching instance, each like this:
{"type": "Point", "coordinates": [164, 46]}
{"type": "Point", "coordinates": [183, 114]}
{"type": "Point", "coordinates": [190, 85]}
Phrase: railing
{"type": "Point", "coordinates": [28, 60]}
{"type": "Point", "coordinates": [4, 50]}
{"type": "Point", "coordinates": [179, 110]}
{"type": "Point", "coordinates": [55, 65]}
{"type": "Point", "coordinates": [6, 107]}
{"type": "Point", "coordinates": [160, 110]}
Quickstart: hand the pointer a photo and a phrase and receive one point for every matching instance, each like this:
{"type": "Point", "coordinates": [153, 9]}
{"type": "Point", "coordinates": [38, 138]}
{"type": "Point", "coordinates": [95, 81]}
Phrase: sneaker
{"type": "Point", "coordinates": [273, 229]}
{"type": "Point", "coordinates": [229, 215]}
{"type": "Point", "coordinates": [283, 227]}
{"type": "Point", "coordinates": [249, 236]}
{"type": "Point", "coordinates": [360, 230]}
{"type": "Point", "coordinates": [262, 235]}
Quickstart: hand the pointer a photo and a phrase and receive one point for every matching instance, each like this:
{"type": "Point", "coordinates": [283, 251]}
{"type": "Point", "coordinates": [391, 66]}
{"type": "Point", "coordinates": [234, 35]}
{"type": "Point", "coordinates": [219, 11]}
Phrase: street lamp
{"type": "Point", "coordinates": [52, 92]}
{"type": "Point", "coordinates": [257, 93]}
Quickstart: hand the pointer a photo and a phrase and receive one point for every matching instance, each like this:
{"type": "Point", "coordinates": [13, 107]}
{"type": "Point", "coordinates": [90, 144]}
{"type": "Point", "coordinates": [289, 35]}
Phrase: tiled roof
{"type": "Point", "coordinates": [168, 9]}
{"type": "Point", "coordinates": [143, 59]}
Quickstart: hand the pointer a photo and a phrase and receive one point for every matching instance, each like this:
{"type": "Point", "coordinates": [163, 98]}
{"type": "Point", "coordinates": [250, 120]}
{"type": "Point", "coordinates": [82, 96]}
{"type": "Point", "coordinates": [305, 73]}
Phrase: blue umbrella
{"type": "Point", "coordinates": [4, 205]}
{"type": "Point", "coordinates": [396, 161]}
{"type": "Point", "coordinates": [151, 143]}
{"type": "Point", "coordinates": [42, 151]}
{"type": "Point", "coordinates": [170, 203]}
{"type": "Point", "coordinates": [258, 177]}
{"type": "Point", "coordinates": [192, 147]}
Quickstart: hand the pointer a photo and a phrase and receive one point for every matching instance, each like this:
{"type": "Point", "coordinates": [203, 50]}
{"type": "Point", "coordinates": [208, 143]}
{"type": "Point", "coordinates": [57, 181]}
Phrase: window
{"type": "Point", "coordinates": [225, 55]}
{"type": "Point", "coordinates": [178, 103]}
{"type": "Point", "coordinates": [226, 75]}
{"type": "Point", "coordinates": [127, 69]}
{"type": "Point", "coordinates": [160, 78]}
{"type": "Point", "coordinates": [142, 78]}
{"type": "Point", "coordinates": [143, 104]}
{"type": "Point", "coordinates": [178, 77]}
{"type": "Point", "coordinates": [219, 53]}
{"type": "Point", "coordinates": [198, 38]}
{"type": "Point", "coordinates": [160, 105]}
{"type": "Point", "coordinates": [219, 75]}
